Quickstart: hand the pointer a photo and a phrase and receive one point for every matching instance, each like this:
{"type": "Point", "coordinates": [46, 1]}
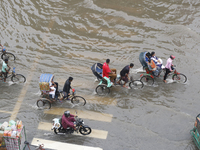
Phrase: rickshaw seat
{"type": "Point", "coordinates": [99, 70]}
{"type": "Point", "coordinates": [105, 80]}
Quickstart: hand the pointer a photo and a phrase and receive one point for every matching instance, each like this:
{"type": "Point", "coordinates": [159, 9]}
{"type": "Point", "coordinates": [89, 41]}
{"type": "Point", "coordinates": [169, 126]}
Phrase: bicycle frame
{"type": "Point", "coordinates": [10, 75]}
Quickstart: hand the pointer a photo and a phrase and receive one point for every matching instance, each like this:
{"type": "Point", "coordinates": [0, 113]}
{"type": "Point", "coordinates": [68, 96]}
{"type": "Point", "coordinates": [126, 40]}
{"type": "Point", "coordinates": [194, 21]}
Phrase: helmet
{"type": "Point", "coordinates": [172, 56]}
{"type": "Point", "coordinates": [67, 113]}
{"type": "Point", "coordinates": [3, 48]}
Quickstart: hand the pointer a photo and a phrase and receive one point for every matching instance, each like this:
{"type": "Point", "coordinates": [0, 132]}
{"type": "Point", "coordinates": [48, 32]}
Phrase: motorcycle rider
{"type": "Point", "coordinates": [68, 120]}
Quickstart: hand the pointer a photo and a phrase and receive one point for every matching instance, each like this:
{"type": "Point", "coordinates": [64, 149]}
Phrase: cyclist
{"type": "Point", "coordinates": [124, 74]}
{"type": "Point", "coordinates": [66, 88]}
{"type": "Point", "coordinates": [68, 120]}
{"type": "Point", "coordinates": [107, 72]}
{"type": "Point", "coordinates": [168, 66]}
{"type": "Point", "coordinates": [4, 69]}
{"type": "Point", "coordinates": [3, 48]}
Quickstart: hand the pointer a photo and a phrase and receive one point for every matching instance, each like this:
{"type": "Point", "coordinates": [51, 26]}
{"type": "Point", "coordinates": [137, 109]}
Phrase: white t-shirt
{"type": "Point", "coordinates": [52, 92]}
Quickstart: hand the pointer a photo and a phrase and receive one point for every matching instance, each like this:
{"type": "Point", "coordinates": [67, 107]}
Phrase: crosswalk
{"type": "Point", "coordinates": [99, 134]}
{"type": "Point", "coordinates": [61, 146]}
{"type": "Point", "coordinates": [84, 114]}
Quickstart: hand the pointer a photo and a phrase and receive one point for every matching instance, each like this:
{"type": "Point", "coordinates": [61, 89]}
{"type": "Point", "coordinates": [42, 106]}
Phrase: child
{"type": "Point", "coordinates": [52, 91]}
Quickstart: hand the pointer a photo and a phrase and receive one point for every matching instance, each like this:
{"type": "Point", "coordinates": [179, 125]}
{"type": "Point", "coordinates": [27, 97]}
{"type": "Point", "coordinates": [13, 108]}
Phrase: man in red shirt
{"type": "Point", "coordinates": [107, 72]}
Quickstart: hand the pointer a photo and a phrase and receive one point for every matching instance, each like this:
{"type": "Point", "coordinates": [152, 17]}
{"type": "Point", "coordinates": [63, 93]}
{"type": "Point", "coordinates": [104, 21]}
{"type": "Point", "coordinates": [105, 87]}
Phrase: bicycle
{"type": "Point", "coordinates": [45, 102]}
{"type": "Point", "coordinates": [7, 55]}
{"type": "Point", "coordinates": [16, 78]}
{"type": "Point", "coordinates": [149, 79]}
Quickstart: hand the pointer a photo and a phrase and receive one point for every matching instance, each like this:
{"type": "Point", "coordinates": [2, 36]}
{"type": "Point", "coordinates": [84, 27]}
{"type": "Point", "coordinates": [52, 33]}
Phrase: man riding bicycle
{"type": "Point", "coordinates": [124, 74]}
{"type": "Point", "coordinates": [66, 88]}
{"type": "Point", "coordinates": [4, 69]}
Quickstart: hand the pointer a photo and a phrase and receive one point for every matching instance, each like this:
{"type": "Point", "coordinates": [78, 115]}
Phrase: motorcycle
{"type": "Point", "coordinates": [80, 127]}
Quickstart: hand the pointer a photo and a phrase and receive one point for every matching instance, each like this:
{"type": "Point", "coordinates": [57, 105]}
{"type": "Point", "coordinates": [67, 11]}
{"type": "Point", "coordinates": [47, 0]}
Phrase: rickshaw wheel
{"type": "Point", "coordinates": [43, 104]}
{"type": "Point", "coordinates": [102, 90]}
{"type": "Point", "coordinates": [147, 80]}
{"type": "Point", "coordinates": [78, 100]}
{"type": "Point", "coordinates": [181, 78]}
{"type": "Point", "coordinates": [136, 84]}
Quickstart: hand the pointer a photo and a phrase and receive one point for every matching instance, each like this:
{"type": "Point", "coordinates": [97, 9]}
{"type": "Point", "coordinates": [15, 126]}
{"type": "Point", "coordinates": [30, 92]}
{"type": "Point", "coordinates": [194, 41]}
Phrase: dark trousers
{"type": "Point", "coordinates": [166, 73]}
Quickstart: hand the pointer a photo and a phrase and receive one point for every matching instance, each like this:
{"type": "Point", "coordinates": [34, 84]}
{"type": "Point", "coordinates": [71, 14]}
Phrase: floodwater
{"type": "Point", "coordinates": [66, 38]}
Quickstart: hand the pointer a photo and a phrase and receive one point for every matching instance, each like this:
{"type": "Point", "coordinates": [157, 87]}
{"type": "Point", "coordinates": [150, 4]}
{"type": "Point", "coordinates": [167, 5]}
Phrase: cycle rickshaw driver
{"type": "Point", "coordinates": [124, 74]}
{"type": "Point", "coordinates": [4, 69]}
{"type": "Point", "coordinates": [108, 73]}
{"type": "Point", "coordinates": [66, 88]}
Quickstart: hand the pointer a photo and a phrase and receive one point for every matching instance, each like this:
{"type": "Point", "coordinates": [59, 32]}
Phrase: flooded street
{"type": "Point", "coordinates": [66, 38]}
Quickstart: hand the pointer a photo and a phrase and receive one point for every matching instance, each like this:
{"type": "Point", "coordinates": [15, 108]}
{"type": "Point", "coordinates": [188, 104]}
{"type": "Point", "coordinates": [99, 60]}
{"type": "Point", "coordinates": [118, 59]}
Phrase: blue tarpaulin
{"type": "Point", "coordinates": [46, 77]}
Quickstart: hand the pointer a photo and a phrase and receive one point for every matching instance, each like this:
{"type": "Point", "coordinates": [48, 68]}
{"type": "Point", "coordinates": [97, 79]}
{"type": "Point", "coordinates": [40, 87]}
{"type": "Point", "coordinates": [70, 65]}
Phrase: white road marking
{"type": "Point", "coordinates": [61, 146]}
{"type": "Point", "coordinates": [100, 134]}
{"type": "Point", "coordinates": [3, 111]}
{"type": "Point", "coordinates": [82, 114]}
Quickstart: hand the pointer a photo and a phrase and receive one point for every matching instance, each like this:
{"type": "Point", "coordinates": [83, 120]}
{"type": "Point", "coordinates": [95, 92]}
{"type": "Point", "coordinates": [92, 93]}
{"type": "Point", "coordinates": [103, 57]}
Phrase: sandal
{"type": "Point", "coordinates": [125, 86]}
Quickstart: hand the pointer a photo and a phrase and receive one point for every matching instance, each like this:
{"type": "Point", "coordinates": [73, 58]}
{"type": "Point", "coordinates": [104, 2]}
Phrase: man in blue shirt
{"type": "Point", "coordinates": [4, 69]}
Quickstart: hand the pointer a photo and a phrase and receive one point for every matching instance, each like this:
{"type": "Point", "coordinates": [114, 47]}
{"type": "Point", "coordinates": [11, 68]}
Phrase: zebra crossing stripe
{"type": "Point", "coordinates": [99, 134]}
{"type": "Point", "coordinates": [82, 114]}
{"type": "Point", "coordinates": [95, 99]}
{"type": "Point", "coordinates": [3, 111]}
{"type": "Point", "coordinates": [61, 146]}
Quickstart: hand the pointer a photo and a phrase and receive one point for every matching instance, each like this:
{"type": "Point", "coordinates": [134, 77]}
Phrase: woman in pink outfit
{"type": "Point", "coordinates": [168, 67]}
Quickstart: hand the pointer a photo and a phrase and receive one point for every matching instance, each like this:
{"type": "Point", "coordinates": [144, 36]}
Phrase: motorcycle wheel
{"type": "Point", "coordinates": [85, 130]}
{"type": "Point", "coordinates": [55, 131]}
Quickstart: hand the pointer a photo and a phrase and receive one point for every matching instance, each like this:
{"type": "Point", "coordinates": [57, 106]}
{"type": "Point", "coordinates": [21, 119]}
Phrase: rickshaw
{"type": "Point", "coordinates": [45, 101]}
{"type": "Point", "coordinates": [148, 78]}
{"type": "Point", "coordinates": [195, 132]}
{"type": "Point", "coordinates": [104, 86]}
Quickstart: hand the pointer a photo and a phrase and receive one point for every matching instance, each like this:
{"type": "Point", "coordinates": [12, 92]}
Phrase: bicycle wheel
{"type": "Point", "coordinates": [9, 56]}
{"type": "Point", "coordinates": [180, 78]}
{"type": "Point", "coordinates": [18, 78]}
{"type": "Point", "coordinates": [78, 100]}
{"type": "Point", "coordinates": [102, 90]}
{"type": "Point", "coordinates": [147, 80]}
{"type": "Point", "coordinates": [43, 104]}
{"type": "Point", "coordinates": [136, 84]}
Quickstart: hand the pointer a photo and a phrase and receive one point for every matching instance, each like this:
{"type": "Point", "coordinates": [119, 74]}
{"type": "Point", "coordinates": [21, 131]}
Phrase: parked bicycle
{"type": "Point", "coordinates": [16, 78]}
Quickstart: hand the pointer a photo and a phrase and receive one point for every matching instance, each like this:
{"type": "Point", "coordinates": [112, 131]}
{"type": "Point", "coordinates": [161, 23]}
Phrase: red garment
{"type": "Point", "coordinates": [68, 122]}
{"type": "Point", "coordinates": [106, 70]}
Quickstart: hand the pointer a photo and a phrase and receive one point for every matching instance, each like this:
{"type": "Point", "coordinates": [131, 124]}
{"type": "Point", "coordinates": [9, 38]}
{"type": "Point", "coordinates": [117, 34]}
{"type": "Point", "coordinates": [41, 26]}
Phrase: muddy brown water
{"type": "Point", "coordinates": [66, 38]}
